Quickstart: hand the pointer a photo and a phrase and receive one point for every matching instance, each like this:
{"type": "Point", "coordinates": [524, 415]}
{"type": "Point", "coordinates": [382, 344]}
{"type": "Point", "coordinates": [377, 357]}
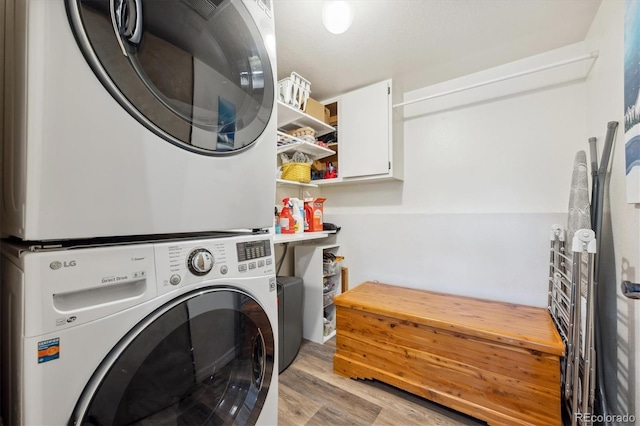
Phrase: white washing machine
{"type": "Point", "coordinates": [172, 332]}
{"type": "Point", "coordinates": [137, 117]}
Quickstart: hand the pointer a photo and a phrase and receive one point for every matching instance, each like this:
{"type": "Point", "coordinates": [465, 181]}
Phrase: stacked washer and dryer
{"type": "Point", "coordinates": [138, 143]}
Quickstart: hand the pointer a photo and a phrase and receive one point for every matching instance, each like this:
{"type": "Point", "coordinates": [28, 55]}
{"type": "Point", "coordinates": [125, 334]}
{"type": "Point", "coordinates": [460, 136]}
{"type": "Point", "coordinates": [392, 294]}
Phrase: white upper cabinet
{"type": "Point", "coordinates": [369, 135]}
{"type": "Point", "coordinates": [365, 131]}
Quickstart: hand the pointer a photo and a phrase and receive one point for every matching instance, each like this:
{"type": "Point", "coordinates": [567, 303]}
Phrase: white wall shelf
{"type": "Point", "coordinates": [321, 182]}
{"type": "Point", "coordinates": [304, 236]}
{"type": "Point", "coordinates": [290, 118]}
{"type": "Point", "coordinates": [315, 152]}
{"type": "Point", "coordinates": [285, 182]}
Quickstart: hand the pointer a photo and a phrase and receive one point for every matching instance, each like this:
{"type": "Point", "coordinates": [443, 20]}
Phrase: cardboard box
{"type": "Point", "coordinates": [316, 110]}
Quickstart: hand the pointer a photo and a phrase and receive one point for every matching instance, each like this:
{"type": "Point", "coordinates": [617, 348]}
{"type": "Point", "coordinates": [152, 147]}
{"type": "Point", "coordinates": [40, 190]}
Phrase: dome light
{"type": "Point", "coordinates": [337, 16]}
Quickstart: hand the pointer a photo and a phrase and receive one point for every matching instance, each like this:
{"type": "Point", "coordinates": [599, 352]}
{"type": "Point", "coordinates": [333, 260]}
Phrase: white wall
{"type": "Point", "coordinates": [485, 178]}
{"type": "Point", "coordinates": [620, 321]}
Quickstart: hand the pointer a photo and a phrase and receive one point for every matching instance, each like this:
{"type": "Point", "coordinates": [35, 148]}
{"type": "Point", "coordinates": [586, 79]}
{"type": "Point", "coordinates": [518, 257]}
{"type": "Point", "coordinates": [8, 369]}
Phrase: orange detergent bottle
{"type": "Point", "coordinates": [286, 218]}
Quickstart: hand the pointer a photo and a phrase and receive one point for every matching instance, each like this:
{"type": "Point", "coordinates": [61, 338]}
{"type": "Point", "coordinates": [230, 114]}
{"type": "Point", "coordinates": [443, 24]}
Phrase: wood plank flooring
{"type": "Point", "coordinates": [311, 394]}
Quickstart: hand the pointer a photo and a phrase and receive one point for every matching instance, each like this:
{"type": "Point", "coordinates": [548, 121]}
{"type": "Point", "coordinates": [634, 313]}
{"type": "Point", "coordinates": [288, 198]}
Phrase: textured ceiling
{"type": "Point", "coordinates": [420, 42]}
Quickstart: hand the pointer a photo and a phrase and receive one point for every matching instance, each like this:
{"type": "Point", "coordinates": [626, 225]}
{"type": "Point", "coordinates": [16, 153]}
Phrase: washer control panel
{"type": "Point", "coordinates": [200, 262]}
{"type": "Point", "coordinates": [253, 254]}
{"type": "Point", "coordinates": [249, 250]}
{"type": "Point", "coordinates": [183, 263]}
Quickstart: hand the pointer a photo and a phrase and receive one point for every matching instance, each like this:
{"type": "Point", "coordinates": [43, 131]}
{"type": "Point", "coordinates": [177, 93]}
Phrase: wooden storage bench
{"type": "Point", "coordinates": [495, 361]}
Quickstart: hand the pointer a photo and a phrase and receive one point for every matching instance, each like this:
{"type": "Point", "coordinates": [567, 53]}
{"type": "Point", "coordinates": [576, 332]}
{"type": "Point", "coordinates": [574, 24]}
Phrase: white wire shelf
{"type": "Point", "coordinates": [314, 151]}
{"type": "Point", "coordinates": [290, 118]}
{"type": "Point", "coordinates": [292, 183]}
{"type": "Point", "coordinates": [303, 236]}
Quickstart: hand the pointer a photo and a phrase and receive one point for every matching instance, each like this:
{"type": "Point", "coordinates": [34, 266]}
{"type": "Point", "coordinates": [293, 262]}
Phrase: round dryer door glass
{"type": "Point", "coordinates": [205, 358]}
{"type": "Point", "coordinates": [195, 72]}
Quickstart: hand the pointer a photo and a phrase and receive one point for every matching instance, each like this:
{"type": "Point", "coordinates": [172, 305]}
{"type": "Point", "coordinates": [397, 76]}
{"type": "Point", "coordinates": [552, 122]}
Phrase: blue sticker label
{"type": "Point", "coordinates": [48, 350]}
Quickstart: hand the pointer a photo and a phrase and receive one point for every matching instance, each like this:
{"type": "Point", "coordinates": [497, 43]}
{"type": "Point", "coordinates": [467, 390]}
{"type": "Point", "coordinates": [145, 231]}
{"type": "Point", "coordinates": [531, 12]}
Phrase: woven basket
{"type": "Point", "coordinates": [297, 172]}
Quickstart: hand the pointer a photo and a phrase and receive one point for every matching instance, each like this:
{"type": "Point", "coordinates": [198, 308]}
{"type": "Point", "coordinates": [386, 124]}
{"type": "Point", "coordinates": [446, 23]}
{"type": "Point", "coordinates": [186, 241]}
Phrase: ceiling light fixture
{"type": "Point", "coordinates": [337, 16]}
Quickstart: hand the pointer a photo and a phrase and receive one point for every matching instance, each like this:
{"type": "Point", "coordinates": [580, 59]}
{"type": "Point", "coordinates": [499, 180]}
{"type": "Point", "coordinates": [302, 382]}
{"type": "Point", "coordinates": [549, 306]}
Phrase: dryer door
{"type": "Point", "coordinates": [195, 72]}
{"type": "Point", "coordinates": [207, 357]}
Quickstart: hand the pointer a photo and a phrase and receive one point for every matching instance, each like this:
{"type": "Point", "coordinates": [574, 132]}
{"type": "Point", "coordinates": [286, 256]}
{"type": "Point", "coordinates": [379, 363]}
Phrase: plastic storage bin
{"type": "Point", "coordinates": [331, 268]}
{"type": "Point", "coordinates": [329, 320]}
{"type": "Point", "coordinates": [327, 298]}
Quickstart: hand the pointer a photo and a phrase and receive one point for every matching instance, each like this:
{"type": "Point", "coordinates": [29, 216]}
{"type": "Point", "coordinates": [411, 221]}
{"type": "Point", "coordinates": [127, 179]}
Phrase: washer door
{"type": "Point", "coordinates": [195, 72]}
{"type": "Point", "coordinates": [206, 358]}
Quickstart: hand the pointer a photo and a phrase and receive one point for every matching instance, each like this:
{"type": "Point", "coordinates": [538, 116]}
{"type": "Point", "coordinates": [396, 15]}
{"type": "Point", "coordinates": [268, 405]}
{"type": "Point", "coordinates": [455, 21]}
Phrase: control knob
{"type": "Point", "coordinates": [200, 262]}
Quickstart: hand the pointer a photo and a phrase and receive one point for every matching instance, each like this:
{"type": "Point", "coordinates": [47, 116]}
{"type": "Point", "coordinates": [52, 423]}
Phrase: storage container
{"type": "Point", "coordinates": [327, 298]}
{"type": "Point", "coordinates": [297, 172]}
{"type": "Point", "coordinates": [331, 268]}
{"type": "Point", "coordinates": [294, 91]}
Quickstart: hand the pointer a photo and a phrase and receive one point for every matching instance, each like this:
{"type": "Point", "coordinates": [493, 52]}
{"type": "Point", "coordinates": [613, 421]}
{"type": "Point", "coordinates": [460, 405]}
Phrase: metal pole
{"type": "Point", "coordinates": [593, 153]}
{"type": "Point", "coordinates": [575, 336]}
{"type": "Point", "coordinates": [598, 198]}
{"type": "Point", "coordinates": [591, 55]}
{"type": "Point", "coordinates": [602, 173]}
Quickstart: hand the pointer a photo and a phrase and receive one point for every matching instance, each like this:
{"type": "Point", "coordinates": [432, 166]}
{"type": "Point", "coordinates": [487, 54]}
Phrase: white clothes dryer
{"type": "Point", "coordinates": [172, 332]}
{"type": "Point", "coordinates": [138, 117]}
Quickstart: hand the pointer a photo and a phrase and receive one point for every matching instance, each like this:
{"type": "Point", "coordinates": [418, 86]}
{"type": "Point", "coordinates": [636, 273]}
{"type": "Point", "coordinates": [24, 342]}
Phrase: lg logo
{"type": "Point", "coordinates": [57, 265]}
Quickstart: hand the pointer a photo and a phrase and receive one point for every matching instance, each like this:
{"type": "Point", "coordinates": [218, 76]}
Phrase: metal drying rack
{"type": "Point", "coordinates": [572, 310]}
{"type": "Point", "coordinates": [573, 303]}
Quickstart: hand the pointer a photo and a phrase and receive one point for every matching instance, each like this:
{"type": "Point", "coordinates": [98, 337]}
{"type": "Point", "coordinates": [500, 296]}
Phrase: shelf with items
{"type": "Point", "coordinates": [290, 118]}
{"type": "Point", "coordinates": [321, 285]}
{"type": "Point", "coordinates": [314, 151]}
{"type": "Point", "coordinates": [325, 169]}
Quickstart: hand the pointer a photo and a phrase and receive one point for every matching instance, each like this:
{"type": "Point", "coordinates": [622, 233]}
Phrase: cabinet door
{"type": "Point", "coordinates": [364, 131]}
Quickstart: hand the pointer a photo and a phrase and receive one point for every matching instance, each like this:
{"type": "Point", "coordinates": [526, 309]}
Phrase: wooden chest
{"type": "Point", "coordinates": [495, 361]}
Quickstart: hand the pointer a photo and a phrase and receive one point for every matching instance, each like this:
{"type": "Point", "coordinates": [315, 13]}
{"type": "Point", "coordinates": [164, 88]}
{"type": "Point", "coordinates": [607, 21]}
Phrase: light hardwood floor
{"type": "Point", "coordinates": [311, 394]}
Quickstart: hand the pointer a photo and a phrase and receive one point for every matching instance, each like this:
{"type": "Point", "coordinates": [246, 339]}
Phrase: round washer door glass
{"type": "Point", "coordinates": [205, 358]}
{"type": "Point", "coordinates": [195, 72]}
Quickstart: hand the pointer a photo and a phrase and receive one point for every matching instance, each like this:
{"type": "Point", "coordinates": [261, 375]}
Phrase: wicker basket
{"type": "Point", "coordinates": [297, 172]}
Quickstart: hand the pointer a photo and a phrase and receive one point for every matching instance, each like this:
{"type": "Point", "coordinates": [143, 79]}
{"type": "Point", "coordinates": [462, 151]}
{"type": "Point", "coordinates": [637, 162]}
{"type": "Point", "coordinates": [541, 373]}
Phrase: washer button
{"type": "Point", "coordinates": [252, 265]}
{"type": "Point", "coordinates": [242, 268]}
{"type": "Point", "coordinates": [260, 263]}
{"type": "Point", "coordinates": [175, 279]}
{"type": "Point", "coordinates": [269, 261]}
{"type": "Point", "coordinates": [223, 269]}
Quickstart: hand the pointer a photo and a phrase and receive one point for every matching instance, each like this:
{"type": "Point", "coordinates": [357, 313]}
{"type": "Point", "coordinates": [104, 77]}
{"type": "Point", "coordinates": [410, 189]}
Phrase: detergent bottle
{"type": "Point", "coordinates": [308, 215]}
{"type": "Point", "coordinates": [297, 216]}
{"type": "Point", "coordinates": [287, 221]}
{"type": "Point", "coordinates": [305, 224]}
